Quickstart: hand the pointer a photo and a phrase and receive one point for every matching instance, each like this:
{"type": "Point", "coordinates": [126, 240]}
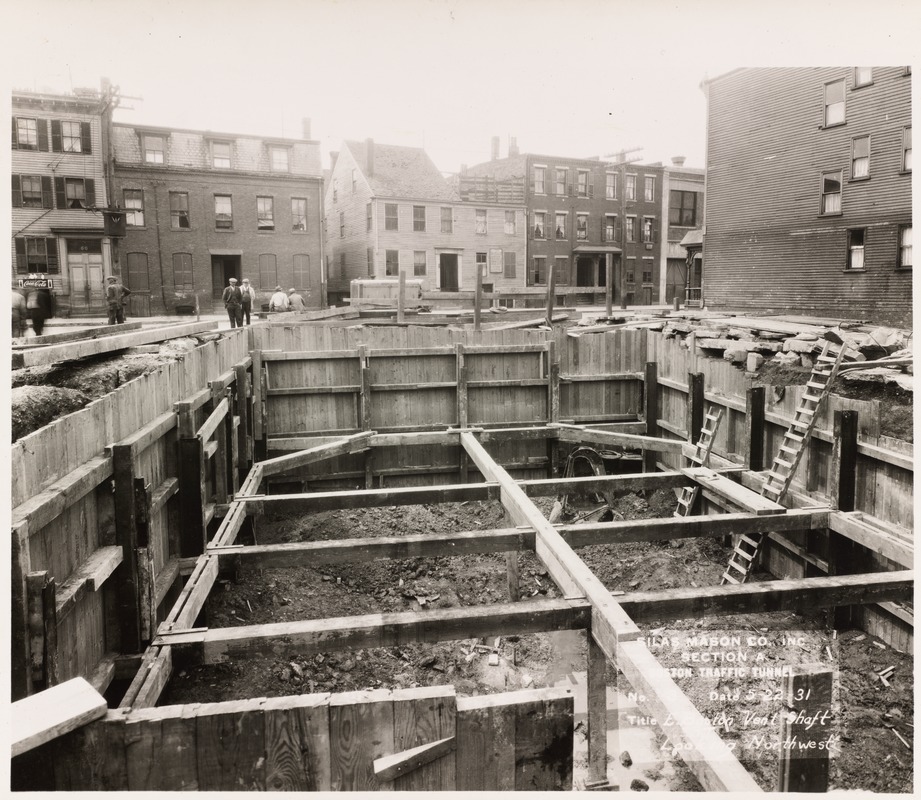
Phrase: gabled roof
{"type": "Point", "coordinates": [402, 172]}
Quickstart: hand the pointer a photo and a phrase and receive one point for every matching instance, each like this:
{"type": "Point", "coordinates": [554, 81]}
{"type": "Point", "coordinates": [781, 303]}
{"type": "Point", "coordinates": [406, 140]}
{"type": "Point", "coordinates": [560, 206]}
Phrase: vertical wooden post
{"type": "Point", "coordinates": [219, 459]}
{"type": "Point", "coordinates": [807, 716]}
{"type": "Point", "coordinates": [41, 598]}
{"type": "Point", "coordinates": [597, 700]}
{"type": "Point", "coordinates": [651, 383]}
{"type": "Point", "coordinates": [128, 590]}
{"type": "Point", "coordinates": [146, 576]}
{"type": "Point", "coordinates": [462, 406]}
{"type": "Point", "coordinates": [193, 533]}
{"type": "Point", "coordinates": [244, 443]}
{"type": "Point", "coordinates": [695, 405]}
{"type": "Point", "coordinates": [364, 415]}
{"type": "Point", "coordinates": [401, 299]}
{"type": "Point", "coordinates": [258, 386]}
{"type": "Point", "coordinates": [551, 293]}
{"type": "Point", "coordinates": [609, 285]}
{"type": "Point", "coordinates": [754, 428]}
{"type": "Point", "coordinates": [553, 405]}
{"type": "Point", "coordinates": [21, 677]}
{"type": "Point", "coordinates": [478, 297]}
{"type": "Point", "coordinates": [844, 461]}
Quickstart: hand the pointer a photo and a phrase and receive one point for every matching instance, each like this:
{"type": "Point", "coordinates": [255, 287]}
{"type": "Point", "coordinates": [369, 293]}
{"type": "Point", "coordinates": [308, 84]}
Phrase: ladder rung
{"type": "Point", "coordinates": [747, 540]}
{"type": "Point", "coordinates": [741, 567]}
{"type": "Point", "coordinates": [796, 436]}
{"type": "Point", "coordinates": [812, 398]}
{"type": "Point", "coordinates": [744, 554]}
{"type": "Point", "coordinates": [814, 385]}
{"type": "Point", "coordinates": [771, 488]}
{"type": "Point", "coordinates": [789, 449]}
{"type": "Point", "coordinates": [809, 411]}
{"type": "Point", "coordinates": [729, 579]}
{"type": "Point", "coordinates": [827, 359]}
{"type": "Point", "coordinates": [706, 431]}
{"type": "Point", "coordinates": [782, 463]}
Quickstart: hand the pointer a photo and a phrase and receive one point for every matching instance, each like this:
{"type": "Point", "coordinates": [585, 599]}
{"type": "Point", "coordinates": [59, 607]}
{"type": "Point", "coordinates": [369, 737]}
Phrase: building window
{"type": "Point", "coordinates": [419, 263]}
{"type": "Point", "coordinates": [509, 266]}
{"type": "Point", "coordinates": [540, 224]}
{"type": "Point", "coordinates": [582, 226]}
{"type": "Point", "coordinates": [369, 218]}
{"type": "Point", "coordinates": [391, 220]}
{"type": "Point", "coordinates": [834, 103]}
{"type": "Point", "coordinates": [447, 220]}
{"type": "Point", "coordinates": [134, 204]}
{"type": "Point", "coordinates": [268, 271]}
{"type": "Point", "coordinates": [906, 149]}
{"type": "Point", "coordinates": [220, 155]}
{"type": "Point", "coordinates": [860, 157]}
{"type": "Point", "coordinates": [905, 246]}
{"type": "Point", "coordinates": [137, 276]}
{"type": "Point", "coordinates": [537, 275]}
{"type": "Point", "coordinates": [481, 264]}
{"type": "Point", "coordinates": [301, 270]}
{"type": "Point", "coordinates": [481, 221]}
{"type": "Point", "coordinates": [831, 193]}
{"type": "Point", "coordinates": [265, 213]}
{"type": "Point", "coordinates": [863, 76]}
{"type": "Point", "coordinates": [582, 182]}
{"type": "Point", "coordinates": [70, 137]}
{"type": "Point", "coordinates": [27, 134]}
{"type": "Point", "coordinates": [610, 227]}
{"type": "Point", "coordinates": [648, 230]}
{"type": "Point", "coordinates": [341, 224]}
{"type": "Point", "coordinates": [392, 263]}
{"type": "Point", "coordinates": [341, 265]}
{"type": "Point", "coordinates": [370, 262]}
{"type": "Point", "coordinates": [510, 225]}
{"type": "Point", "coordinates": [154, 149]}
{"type": "Point", "coordinates": [561, 270]}
{"type": "Point", "coordinates": [179, 210]}
{"type": "Point", "coordinates": [855, 246]}
{"type": "Point", "coordinates": [419, 219]}
{"type": "Point", "coordinates": [76, 193]}
{"type": "Point", "coordinates": [539, 173]}
{"type": "Point", "coordinates": [278, 158]}
{"type": "Point", "coordinates": [223, 211]}
{"type": "Point", "coordinates": [631, 187]}
{"type": "Point", "coordinates": [562, 175]}
{"type": "Point", "coordinates": [631, 229]}
{"type": "Point", "coordinates": [37, 254]}
{"type": "Point", "coordinates": [647, 276]}
{"type": "Point", "coordinates": [299, 214]}
{"type": "Point", "coordinates": [560, 225]}
{"type": "Point", "coordinates": [610, 185]}
{"type": "Point", "coordinates": [183, 279]}
{"type": "Point", "coordinates": [649, 188]}
{"type": "Point", "coordinates": [34, 191]}
{"type": "Point", "coordinates": [682, 208]}
{"type": "Point", "coordinates": [630, 272]}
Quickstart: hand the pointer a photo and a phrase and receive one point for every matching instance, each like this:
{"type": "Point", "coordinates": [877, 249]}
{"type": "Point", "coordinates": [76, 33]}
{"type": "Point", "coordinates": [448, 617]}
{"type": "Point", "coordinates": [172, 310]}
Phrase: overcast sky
{"type": "Point", "coordinates": [578, 78]}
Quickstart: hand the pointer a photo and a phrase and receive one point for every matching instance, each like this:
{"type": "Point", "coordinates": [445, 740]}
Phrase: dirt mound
{"type": "Point", "coordinates": [33, 407]}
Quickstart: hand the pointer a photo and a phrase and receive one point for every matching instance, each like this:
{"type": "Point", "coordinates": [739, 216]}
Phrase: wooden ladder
{"type": "Point", "coordinates": [787, 459]}
{"type": "Point", "coordinates": [700, 458]}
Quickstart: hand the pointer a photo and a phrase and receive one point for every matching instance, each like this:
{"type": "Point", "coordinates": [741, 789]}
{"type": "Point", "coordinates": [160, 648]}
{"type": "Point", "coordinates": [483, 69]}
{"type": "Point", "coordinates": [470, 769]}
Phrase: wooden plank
{"type": "Point", "coordinates": [596, 690]}
{"type": "Point", "coordinates": [602, 377]}
{"type": "Point", "coordinates": [52, 713]}
{"type": "Point", "coordinates": [126, 533]}
{"type": "Point", "coordinates": [544, 745]}
{"type": "Point", "coordinates": [195, 593]}
{"type": "Point", "coordinates": [191, 496]}
{"type": "Point", "coordinates": [230, 746]}
{"type": "Point", "coordinates": [651, 406]}
{"type": "Point", "coordinates": [161, 495]}
{"type": "Point", "coordinates": [152, 432]}
{"type": "Point", "coordinates": [94, 332]}
{"type": "Point", "coordinates": [165, 579]}
{"type": "Point", "coordinates": [365, 408]}
{"type": "Point", "coordinates": [422, 716]}
{"type": "Point", "coordinates": [591, 484]}
{"type": "Point", "coordinates": [360, 731]}
{"type": "Point", "coordinates": [21, 657]}
{"type": "Point", "coordinates": [297, 743]}
{"type": "Point", "coordinates": [215, 418]}
{"type": "Point", "coordinates": [807, 699]}
{"type": "Point", "coordinates": [89, 576]}
{"type": "Point", "coordinates": [161, 670]}
{"type": "Point", "coordinates": [872, 537]}
{"type": "Point", "coordinates": [392, 767]}
{"type": "Point", "coordinates": [291, 391]}
{"type": "Point", "coordinates": [35, 583]}
{"type": "Point", "coordinates": [575, 433]}
{"type": "Point", "coordinates": [695, 405]}
{"type": "Point", "coordinates": [375, 630]}
{"type": "Point", "coordinates": [306, 355]}
{"type": "Point", "coordinates": [92, 757]}
{"type": "Point", "coordinates": [769, 596]}
{"type": "Point", "coordinates": [843, 472]}
{"type": "Point", "coordinates": [355, 443]}
{"type": "Point", "coordinates": [243, 411]}
{"type": "Point", "coordinates": [90, 347]}
{"type": "Point", "coordinates": [754, 428]}
{"type": "Point", "coordinates": [733, 492]}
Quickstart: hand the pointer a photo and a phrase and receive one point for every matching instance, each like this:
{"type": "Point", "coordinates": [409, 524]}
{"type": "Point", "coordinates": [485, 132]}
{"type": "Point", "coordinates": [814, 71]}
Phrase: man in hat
{"type": "Point", "coordinates": [295, 301]}
{"type": "Point", "coordinates": [279, 301]}
{"type": "Point", "coordinates": [249, 296]}
{"type": "Point", "coordinates": [115, 299]}
{"type": "Point", "coordinates": [233, 302]}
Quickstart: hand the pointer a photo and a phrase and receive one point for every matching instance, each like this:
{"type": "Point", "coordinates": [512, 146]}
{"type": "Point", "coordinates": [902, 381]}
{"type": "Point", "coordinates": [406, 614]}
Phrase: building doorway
{"type": "Point", "coordinates": [585, 271]}
{"type": "Point", "coordinates": [448, 272]}
{"type": "Point", "coordinates": [223, 268]}
{"type": "Point", "coordinates": [84, 266]}
{"type": "Point", "coordinates": [676, 277]}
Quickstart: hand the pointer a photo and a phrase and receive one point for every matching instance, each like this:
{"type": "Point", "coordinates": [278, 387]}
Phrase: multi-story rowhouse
{"type": "Point", "coordinates": [809, 192]}
{"type": "Point", "coordinates": [58, 183]}
{"type": "Point", "coordinates": [585, 216]}
{"type": "Point", "coordinates": [203, 207]}
{"type": "Point", "coordinates": [683, 208]}
{"type": "Point", "coordinates": [388, 209]}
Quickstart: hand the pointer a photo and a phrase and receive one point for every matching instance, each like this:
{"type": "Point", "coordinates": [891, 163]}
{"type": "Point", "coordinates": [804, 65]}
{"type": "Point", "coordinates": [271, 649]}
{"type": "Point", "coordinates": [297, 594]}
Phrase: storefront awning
{"type": "Point", "coordinates": [596, 248]}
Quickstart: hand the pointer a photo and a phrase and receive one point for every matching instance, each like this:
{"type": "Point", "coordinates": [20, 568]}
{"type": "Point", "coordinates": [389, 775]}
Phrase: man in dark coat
{"type": "Point", "coordinates": [38, 304]}
{"type": "Point", "coordinates": [233, 302]}
{"type": "Point", "coordinates": [115, 299]}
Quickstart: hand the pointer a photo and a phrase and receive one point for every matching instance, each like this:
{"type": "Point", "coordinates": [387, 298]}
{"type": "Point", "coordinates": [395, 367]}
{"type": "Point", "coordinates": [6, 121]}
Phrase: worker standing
{"type": "Point", "coordinates": [19, 314]}
{"type": "Point", "coordinates": [38, 305]}
{"type": "Point", "coordinates": [295, 301]}
{"type": "Point", "coordinates": [279, 300]}
{"type": "Point", "coordinates": [115, 299]}
{"type": "Point", "coordinates": [249, 295]}
{"type": "Point", "coordinates": [233, 302]}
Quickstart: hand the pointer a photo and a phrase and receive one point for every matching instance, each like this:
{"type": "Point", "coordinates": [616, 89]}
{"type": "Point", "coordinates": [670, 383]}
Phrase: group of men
{"type": "Point", "coordinates": [238, 300]}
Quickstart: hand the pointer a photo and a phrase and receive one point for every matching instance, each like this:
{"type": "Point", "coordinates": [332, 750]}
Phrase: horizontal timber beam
{"type": "Point", "coordinates": [344, 446]}
{"type": "Point", "coordinates": [577, 433]}
{"type": "Point", "coordinates": [283, 639]}
{"type": "Point", "coordinates": [873, 537]}
{"type": "Point", "coordinates": [768, 596]}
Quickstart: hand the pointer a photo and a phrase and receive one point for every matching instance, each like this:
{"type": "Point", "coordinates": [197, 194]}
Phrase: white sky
{"type": "Point", "coordinates": [578, 78]}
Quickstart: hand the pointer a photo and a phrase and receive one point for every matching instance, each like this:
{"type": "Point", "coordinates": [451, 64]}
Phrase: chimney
{"type": "Point", "coordinates": [495, 148]}
{"type": "Point", "coordinates": [305, 127]}
{"type": "Point", "coordinates": [369, 157]}
{"type": "Point", "coordinates": [678, 161]}
{"type": "Point", "coordinates": [513, 147]}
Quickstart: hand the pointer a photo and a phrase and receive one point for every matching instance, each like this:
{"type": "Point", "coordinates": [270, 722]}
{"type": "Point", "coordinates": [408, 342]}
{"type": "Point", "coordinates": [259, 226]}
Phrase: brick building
{"type": "Point", "coordinates": [683, 200]}
{"type": "Point", "coordinates": [809, 192]}
{"type": "Point", "coordinates": [389, 208]}
{"type": "Point", "coordinates": [204, 207]}
{"type": "Point", "coordinates": [584, 215]}
{"type": "Point", "coordinates": [58, 183]}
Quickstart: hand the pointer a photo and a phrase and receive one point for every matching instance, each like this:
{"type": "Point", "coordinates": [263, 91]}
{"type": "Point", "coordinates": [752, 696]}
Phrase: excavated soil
{"type": "Point", "coordinates": [864, 714]}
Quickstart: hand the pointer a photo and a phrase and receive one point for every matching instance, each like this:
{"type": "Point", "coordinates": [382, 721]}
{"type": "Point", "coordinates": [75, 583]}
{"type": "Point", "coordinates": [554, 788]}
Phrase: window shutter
{"type": "Point", "coordinates": [85, 141]}
{"type": "Point", "coordinates": [21, 255]}
{"type": "Point", "coordinates": [57, 144]}
{"type": "Point", "coordinates": [509, 264]}
{"type": "Point", "coordinates": [14, 138]}
{"type": "Point", "coordinates": [591, 190]}
{"type": "Point", "coordinates": [90, 192]}
{"type": "Point", "coordinates": [47, 193]}
{"type": "Point", "coordinates": [17, 193]}
{"type": "Point", "coordinates": [42, 127]}
{"type": "Point", "coordinates": [569, 189]}
{"type": "Point", "coordinates": [51, 247]}
{"type": "Point", "coordinates": [60, 197]}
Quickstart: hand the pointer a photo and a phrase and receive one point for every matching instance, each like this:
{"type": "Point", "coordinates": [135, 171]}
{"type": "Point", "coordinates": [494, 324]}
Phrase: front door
{"type": "Point", "coordinates": [585, 271]}
{"type": "Point", "coordinates": [223, 268]}
{"type": "Point", "coordinates": [676, 277]}
{"type": "Point", "coordinates": [447, 272]}
{"type": "Point", "coordinates": [84, 265]}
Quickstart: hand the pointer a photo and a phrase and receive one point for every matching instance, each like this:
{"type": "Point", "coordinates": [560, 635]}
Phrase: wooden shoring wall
{"type": "Point", "coordinates": [87, 490]}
